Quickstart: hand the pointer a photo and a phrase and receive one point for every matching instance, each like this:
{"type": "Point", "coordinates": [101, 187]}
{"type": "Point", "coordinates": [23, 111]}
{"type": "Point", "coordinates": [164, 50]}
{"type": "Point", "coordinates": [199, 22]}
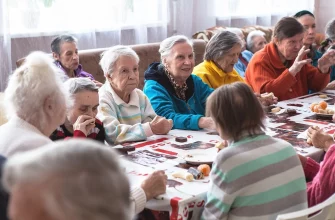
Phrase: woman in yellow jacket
{"type": "Point", "coordinates": [221, 54]}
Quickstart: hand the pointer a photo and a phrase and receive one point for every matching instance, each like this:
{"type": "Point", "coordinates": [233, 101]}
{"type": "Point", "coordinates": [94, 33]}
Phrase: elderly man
{"type": "Point", "coordinates": [75, 179]}
{"type": "Point", "coordinates": [36, 100]}
{"type": "Point", "coordinates": [65, 52]}
{"type": "Point", "coordinates": [256, 41]}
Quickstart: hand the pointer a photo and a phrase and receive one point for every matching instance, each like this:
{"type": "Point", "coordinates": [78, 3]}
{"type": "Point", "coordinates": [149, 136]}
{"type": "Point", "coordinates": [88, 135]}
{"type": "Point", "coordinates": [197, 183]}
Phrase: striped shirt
{"type": "Point", "coordinates": [257, 177]}
{"type": "Point", "coordinates": [124, 122]}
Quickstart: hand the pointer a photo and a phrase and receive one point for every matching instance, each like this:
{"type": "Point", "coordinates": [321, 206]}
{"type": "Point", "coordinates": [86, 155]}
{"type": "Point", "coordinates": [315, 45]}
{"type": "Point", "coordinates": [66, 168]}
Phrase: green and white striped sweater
{"type": "Point", "coordinates": [257, 177]}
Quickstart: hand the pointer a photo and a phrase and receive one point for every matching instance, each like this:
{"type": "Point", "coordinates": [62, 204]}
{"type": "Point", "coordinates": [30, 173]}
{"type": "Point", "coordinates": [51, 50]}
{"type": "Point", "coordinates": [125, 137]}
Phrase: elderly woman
{"type": "Point", "coordinates": [320, 177]}
{"type": "Point", "coordinates": [80, 120]}
{"type": "Point", "coordinates": [256, 41]}
{"type": "Point", "coordinates": [125, 111]}
{"type": "Point", "coordinates": [36, 100]}
{"type": "Point", "coordinates": [76, 179]}
{"type": "Point", "coordinates": [221, 54]}
{"type": "Point", "coordinates": [255, 175]}
{"type": "Point", "coordinates": [65, 52]}
{"type": "Point", "coordinates": [173, 90]}
{"type": "Point", "coordinates": [245, 56]}
{"type": "Point", "coordinates": [282, 67]}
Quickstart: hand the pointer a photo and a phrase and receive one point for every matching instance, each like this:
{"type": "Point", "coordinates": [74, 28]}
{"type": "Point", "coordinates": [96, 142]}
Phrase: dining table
{"type": "Point", "coordinates": [186, 199]}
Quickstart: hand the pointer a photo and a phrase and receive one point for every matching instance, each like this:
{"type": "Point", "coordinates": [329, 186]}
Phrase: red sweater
{"type": "Point", "coordinates": [266, 73]}
{"type": "Point", "coordinates": [322, 176]}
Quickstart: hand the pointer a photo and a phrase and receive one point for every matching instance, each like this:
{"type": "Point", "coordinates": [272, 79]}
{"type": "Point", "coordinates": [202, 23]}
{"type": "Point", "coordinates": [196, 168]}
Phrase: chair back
{"type": "Point", "coordinates": [324, 211]}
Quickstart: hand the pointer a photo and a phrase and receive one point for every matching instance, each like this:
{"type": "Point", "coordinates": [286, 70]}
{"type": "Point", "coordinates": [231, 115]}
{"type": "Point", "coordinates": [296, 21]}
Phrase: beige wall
{"type": "Point", "coordinates": [324, 11]}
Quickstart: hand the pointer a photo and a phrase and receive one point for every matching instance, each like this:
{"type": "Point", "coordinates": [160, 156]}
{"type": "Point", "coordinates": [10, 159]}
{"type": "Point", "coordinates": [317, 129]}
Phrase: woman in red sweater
{"type": "Point", "coordinates": [282, 66]}
{"type": "Point", "coordinates": [320, 177]}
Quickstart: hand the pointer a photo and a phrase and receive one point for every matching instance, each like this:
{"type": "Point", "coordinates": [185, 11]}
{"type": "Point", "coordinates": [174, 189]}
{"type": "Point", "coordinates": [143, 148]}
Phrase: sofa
{"type": "Point", "coordinates": [147, 53]}
{"type": "Point", "coordinates": [208, 33]}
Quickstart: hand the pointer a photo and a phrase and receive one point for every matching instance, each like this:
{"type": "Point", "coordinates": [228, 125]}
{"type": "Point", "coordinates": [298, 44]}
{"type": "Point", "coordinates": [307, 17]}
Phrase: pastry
{"type": "Point", "coordinates": [275, 110]}
{"type": "Point", "coordinates": [323, 96]}
{"type": "Point", "coordinates": [183, 175]}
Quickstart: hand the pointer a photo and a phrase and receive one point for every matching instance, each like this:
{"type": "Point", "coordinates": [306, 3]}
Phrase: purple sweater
{"type": "Point", "coordinates": [79, 72]}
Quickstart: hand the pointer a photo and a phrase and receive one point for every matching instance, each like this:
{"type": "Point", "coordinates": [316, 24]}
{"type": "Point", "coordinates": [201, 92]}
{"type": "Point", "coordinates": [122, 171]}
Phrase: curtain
{"type": "Point", "coordinates": [28, 25]}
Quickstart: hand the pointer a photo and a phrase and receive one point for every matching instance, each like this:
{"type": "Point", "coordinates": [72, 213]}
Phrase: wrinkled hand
{"type": "Point", "coordinates": [327, 60]}
{"type": "Point", "coordinates": [155, 184]}
{"type": "Point", "coordinates": [330, 86]}
{"type": "Point", "coordinates": [267, 101]}
{"type": "Point", "coordinates": [161, 125]}
{"type": "Point", "coordinates": [299, 62]}
{"type": "Point", "coordinates": [97, 83]}
{"type": "Point", "coordinates": [319, 138]}
{"type": "Point", "coordinates": [84, 123]}
{"type": "Point", "coordinates": [206, 122]}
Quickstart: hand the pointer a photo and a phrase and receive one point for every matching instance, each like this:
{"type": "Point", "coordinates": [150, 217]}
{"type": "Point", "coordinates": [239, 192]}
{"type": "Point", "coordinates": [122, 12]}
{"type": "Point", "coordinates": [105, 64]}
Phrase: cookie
{"type": "Point", "coordinates": [291, 111]}
{"type": "Point", "coordinates": [181, 139]}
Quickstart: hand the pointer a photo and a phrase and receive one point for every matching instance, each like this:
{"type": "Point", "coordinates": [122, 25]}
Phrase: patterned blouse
{"type": "Point", "coordinates": [180, 90]}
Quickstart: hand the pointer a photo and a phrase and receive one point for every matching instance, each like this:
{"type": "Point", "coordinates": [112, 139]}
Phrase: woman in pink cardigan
{"type": "Point", "coordinates": [320, 177]}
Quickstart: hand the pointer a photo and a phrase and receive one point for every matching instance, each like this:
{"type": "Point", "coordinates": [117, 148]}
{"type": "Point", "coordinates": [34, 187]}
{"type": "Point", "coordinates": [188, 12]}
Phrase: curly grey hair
{"type": "Point", "coordinates": [82, 179]}
{"type": "Point", "coordinates": [330, 29]}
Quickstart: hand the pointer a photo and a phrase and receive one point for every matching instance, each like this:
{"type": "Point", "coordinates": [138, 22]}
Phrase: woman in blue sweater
{"type": "Point", "coordinates": [173, 90]}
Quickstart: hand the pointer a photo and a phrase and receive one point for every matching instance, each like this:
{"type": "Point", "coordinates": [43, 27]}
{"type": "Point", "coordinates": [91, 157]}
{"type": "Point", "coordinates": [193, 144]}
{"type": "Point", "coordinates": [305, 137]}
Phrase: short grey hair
{"type": "Point", "coordinates": [330, 29]}
{"type": "Point", "coordinates": [236, 31]}
{"type": "Point", "coordinates": [251, 36]}
{"type": "Point", "coordinates": [75, 85]}
{"type": "Point", "coordinates": [30, 84]}
{"type": "Point", "coordinates": [55, 44]}
{"type": "Point", "coordinates": [167, 44]}
{"type": "Point", "coordinates": [82, 179]}
{"type": "Point", "coordinates": [111, 56]}
{"type": "Point", "coordinates": [220, 44]}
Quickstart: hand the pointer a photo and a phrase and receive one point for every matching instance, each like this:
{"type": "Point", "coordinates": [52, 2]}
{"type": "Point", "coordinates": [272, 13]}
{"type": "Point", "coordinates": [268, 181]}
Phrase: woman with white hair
{"type": "Point", "coordinates": [256, 41]}
{"type": "Point", "coordinates": [75, 179]}
{"type": "Point", "coordinates": [173, 90]}
{"type": "Point", "coordinates": [36, 103]}
{"type": "Point", "coordinates": [125, 111]}
{"type": "Point", "coordinates": [80, 120]}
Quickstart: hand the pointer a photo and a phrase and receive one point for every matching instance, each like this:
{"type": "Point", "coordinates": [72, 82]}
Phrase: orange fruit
{"type": "Point", "coordinates": [311, 107]}
{"type": "Point", "coordinates": [323, 105]}
{"type": "Point", "coordinates": [316, 108]}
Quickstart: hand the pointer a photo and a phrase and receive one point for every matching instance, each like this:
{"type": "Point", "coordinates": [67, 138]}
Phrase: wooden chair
{"type": "Point", "coordinates": [324, 211]}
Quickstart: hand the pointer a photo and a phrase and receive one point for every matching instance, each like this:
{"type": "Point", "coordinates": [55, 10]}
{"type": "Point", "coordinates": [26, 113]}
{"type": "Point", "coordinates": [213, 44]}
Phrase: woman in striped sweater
{"type": "Point", "coordinates": [256, 176]}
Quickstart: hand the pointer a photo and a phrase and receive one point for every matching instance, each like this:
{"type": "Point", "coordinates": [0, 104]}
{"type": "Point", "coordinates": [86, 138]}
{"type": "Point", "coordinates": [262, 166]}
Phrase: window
{"type": "Point", "coordinates": [50, 16]}
{"type": "Point", "coordinates": [246, 8]}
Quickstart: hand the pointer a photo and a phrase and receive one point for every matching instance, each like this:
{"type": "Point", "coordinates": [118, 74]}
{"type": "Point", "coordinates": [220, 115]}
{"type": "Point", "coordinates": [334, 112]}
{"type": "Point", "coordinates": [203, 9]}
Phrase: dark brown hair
{"type": "Point", "coordinates": [235, 109]}
{"type": "Point", "coordinates": [287, 27]}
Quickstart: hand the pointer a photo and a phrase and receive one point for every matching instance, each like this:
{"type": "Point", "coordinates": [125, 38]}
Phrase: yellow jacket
{"type": "Point", "coordinates": [211, 74]}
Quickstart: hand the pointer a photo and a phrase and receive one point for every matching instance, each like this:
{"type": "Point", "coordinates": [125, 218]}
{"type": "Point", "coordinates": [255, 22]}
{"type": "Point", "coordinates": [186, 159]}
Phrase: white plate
{"type": "Point", "coordinates": [199, 157]}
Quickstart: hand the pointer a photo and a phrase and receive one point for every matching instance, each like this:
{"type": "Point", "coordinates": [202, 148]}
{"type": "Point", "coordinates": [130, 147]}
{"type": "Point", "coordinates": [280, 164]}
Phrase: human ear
{"type": "Point", "coordinates": [49, 106]}
{"type": "Point", "coordinates": [55, 55]}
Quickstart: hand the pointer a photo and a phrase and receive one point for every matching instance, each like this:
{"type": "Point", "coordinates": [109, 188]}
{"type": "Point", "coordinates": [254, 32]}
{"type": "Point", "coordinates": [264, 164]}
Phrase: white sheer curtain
{"type": "Point", "coordinates": [28, 25]}
{"type": "Point", "coordinates": [197, 15]}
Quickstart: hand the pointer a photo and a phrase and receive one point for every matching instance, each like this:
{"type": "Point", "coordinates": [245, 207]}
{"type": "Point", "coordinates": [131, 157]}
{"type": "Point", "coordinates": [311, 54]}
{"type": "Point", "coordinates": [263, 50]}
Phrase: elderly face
{"type": "Point", "coordinates": [85, 103]}
{"type": "Point", "coordinates": [26, 204]}
{"type": "Point", "coordinates": [124, 78]}
{"type": "Point", "coordinates": [259, 43]}
{"type": "Point", "coordinates": [309, 24]}
{"type": "Point", "coordinates": [289, 47]}
{"type": "Point", "coordinates": [228, 61]}
{"type": "Point", "coordinates": [68, 56]}
{"type": "Point", "coordinates": [180, 61]}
